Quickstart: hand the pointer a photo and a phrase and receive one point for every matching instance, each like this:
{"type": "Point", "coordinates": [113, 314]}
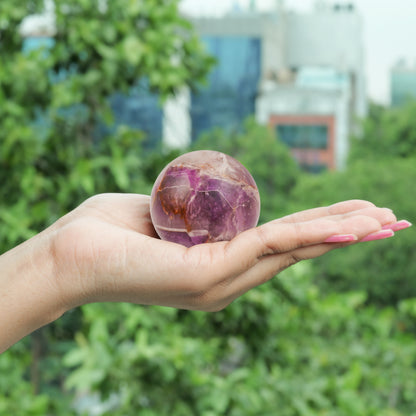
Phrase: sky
{"type": "Point", "coordinates": [389, 33]}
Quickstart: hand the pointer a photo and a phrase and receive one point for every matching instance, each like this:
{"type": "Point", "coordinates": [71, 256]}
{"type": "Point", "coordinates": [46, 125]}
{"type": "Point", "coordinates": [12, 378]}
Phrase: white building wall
{"type": "Point", "coordinates": [326, 38]}
{"type": "Point", "coordinates": [288, 99]}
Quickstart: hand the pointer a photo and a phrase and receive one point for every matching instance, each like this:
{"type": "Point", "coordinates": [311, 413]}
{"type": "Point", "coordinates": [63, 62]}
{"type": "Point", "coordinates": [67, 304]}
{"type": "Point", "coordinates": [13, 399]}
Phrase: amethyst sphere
{"type": "Point", "coordinates": [202, 197]}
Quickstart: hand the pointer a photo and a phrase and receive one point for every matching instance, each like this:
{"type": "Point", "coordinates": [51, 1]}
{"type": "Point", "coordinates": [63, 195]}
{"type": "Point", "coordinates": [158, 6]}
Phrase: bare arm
{"type": "Point", "coordinates": [29, 297]}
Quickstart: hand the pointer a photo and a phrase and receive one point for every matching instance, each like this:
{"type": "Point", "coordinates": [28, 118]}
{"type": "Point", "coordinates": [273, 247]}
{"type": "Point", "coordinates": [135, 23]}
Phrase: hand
{"type": "Point", "coordinates": [107, 250]}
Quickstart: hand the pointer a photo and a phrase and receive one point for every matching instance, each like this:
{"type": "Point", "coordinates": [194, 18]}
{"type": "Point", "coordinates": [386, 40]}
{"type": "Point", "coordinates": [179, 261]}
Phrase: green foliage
{"type": "Point", "coordinates": [53, 154]}
{"type": "Point", "coordinates": [387, 133]}
{"type": "Point", "coordinates": [384, 269]}
{"type": "Point", "coordinates": [126, 40]}
{"type": "Point", "coordinates": [51, 102]}
{"type": "Point", "coordinates": [267, 159]}
{"type": "Point", "coordinates": [262, 355]}
{"type": "Point", "coordinates": [286, 348]}
{"type": "Point", "coordinates": [18, 395]}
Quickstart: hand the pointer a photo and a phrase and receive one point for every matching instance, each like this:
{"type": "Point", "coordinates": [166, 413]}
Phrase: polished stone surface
{"type": "Point", "coordinates": [204, 196]}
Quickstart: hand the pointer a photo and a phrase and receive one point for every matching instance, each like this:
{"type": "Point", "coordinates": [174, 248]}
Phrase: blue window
{"type": "Point", "coordinates": [232, 85]}
{"type": "Point", "coordinates": [313, 168]}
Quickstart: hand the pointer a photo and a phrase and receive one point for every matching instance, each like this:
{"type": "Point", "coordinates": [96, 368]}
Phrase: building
{"type": "Point", "coordinates": [402, 83]}
{"type": "Point", "coordinates": [302, 74]}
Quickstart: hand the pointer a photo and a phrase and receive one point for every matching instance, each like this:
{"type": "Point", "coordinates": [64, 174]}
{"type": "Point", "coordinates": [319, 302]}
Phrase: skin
{"type": "Point", "coordinates": [106, 250]}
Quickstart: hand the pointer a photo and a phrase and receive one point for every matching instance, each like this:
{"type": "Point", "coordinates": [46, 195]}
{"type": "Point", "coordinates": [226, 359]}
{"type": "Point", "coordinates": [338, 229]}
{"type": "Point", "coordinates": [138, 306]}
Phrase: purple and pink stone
{"type": "Point", "coordinates": [204, 196]}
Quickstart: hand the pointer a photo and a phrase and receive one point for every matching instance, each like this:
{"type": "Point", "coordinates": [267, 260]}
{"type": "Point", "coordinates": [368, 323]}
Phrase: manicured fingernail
{"type": "Point", "coordinates": [341, 238]}
{"type": "Point", "coordinates": [379, 235]}
{"type": "Point", "coordinates": [397, 226]}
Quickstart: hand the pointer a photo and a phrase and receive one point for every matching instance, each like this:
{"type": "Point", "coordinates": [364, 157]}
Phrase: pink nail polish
{"type": "Point", "coordinates": [379, 235]}
{"type": "Point", "coordinates": [341, 238]}
{"type": "Point", "coordinates": [397, 226]}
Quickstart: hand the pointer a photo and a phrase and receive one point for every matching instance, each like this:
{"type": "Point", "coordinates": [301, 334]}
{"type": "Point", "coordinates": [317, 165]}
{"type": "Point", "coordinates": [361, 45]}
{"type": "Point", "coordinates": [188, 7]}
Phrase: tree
{"type": "Point", "coordinates": [386, 133]}
{"type": "Point", "coordinates": [53, 99]}
{"type": "Point", "coordinates": [58, 144]}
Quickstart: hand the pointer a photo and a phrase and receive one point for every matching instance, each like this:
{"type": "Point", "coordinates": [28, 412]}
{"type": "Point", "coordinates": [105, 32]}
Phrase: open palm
{"type": "Point", "coordinates": [107, 250]}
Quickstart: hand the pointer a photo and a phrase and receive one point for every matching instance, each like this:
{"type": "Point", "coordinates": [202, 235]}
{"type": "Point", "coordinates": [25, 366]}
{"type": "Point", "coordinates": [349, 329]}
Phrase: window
{"type": "Point", "coordinates": [304, 136]}
{"type": "Point", "coordinates": [318, 168]}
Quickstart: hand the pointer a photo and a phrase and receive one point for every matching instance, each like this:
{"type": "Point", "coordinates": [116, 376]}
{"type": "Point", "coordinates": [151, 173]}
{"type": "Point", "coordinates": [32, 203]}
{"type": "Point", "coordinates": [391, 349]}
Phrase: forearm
{"type": "Point", "coordinates": [29, 297]}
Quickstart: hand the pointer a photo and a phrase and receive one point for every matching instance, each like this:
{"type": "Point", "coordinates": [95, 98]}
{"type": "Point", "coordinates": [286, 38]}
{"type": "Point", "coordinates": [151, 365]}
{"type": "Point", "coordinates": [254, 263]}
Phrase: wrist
{"type": "Point", "coordinates": [30, 297]}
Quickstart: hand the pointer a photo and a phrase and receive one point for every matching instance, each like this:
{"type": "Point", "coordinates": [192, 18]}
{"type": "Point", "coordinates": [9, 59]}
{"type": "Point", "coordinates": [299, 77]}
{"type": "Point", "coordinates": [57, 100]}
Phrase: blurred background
{"type": "Point", "coordinates": [316, 98]}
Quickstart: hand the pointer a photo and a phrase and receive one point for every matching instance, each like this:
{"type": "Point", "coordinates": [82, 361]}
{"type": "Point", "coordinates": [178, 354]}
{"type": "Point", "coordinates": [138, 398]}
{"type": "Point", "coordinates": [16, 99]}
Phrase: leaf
{"type": "Point", "coordinates": [408, 307]}
{"type": "Point", "coordinates": [120, 174]}
{"type": "Point", "coordinates": [107, 52]}
{"type": "Point", "coordinates": [75, 357]}
{"type": "Point", "coordinates": [132, 49]}
{"type": "Point", "coordinates": [84, 378]}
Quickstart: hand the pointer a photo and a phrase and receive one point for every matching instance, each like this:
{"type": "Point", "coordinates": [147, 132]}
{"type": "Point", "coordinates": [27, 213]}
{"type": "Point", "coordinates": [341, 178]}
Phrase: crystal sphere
{"type": "Point", "coordinates": [204, 196]}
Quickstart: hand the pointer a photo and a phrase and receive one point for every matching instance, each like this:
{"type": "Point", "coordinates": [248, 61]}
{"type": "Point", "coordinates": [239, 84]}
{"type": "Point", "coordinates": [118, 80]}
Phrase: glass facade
{"type": "Point", "coordinates": [303, 136]}
{"type": "Point", "coordinates": [139, 109]}
{"type": "Point", "coordinates": [232, 85]}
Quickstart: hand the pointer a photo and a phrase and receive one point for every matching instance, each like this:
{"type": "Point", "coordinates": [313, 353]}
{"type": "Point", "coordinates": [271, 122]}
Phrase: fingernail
{"type": "Point", "coordinates": [379, 235]}
{"type": "Point", "coordinates": [397, 226]}
{"type": "Point", "coordinates": [341, 238]}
